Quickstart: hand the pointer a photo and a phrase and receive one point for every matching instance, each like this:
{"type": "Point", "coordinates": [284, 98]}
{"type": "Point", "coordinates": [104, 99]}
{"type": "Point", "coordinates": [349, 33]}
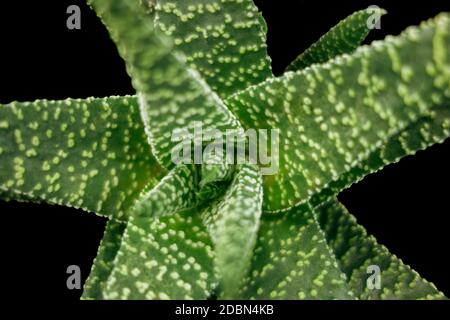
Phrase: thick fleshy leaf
{"type": "Point", "coordinates": [170, 257]}
{"type": "Point", "coordinates": [233, 222]}
{"type": "Point", "coordinates": [148, 6]}
{"type": "Point", "coordinates": [104, 262]}
{"type": "Point", "coordinates": [434, 128]}
{"type": "Point", "coordinates": [292, 261]}
{"type": "Point", "coordinates": [356, 251]}
{"type": "Point", "coordinates": [172, 95]}
{"type": "Point", "coordinates": [333, 116]}
{"type": "Point", "coordinates": [345, 37]}
{"type": "Point", "coordinates": [224, 41]}
{"type": "Point", "coordinates": [379, 104]}
{"type": "Point", "coordinates": [214, 178]}
{"type": "Point", "coordinates": [90, 154]}
{"type": "Point", "coordinates": [174, 193]}
{"type": "Point", "coordinates": [183, 189]}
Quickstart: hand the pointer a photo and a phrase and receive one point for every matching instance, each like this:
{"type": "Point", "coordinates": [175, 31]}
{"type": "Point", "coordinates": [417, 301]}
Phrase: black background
{"type": "Point", "coordinates": [406, 206]}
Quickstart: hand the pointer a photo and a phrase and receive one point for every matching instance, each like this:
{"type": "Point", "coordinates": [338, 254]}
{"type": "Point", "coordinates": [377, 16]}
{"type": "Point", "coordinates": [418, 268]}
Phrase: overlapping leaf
{"type": "Point", "coordinates": [233, 223]}
{"type": "Point", "coordinates": [174, 193]}
{"type": "Point", "coordinates": [356, 251]}
{"type": "Point", "coordinates": [172, 95]}
{"type": "Point", "coordinates": [90, 154]}
{"type": "Point", "coordinates": [339, 121]}
{"type": "Point", "coordinates": [334, 115]}
{"type": "Point", "coordinates": [431, 129]}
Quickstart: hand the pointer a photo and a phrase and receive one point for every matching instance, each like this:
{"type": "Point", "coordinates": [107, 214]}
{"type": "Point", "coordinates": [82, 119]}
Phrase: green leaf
{"type": "Point", "coordinates": [345, 37]}
{"type": "Point", "coordinates": [339, 121]}
{"type": "Point", "coordinates": [104, 262]}
{"type": "Point", "coordinates": [172, 95]}
{"type": "Point", "coordinates": [356, 251]}
{"type": "Point", "coordinates": [148, 6]}
{"type": "Point", "coordinates": [224, 41]}
{"type": "Point", "coordinates": [174, 193]}
{"type": "Point", "coordinates": [293, 261]}
{"type": "Point", "coordinates": [233, 222]}
{"type": "Point", "coordinates": [434, 128]}
{"type": "Point", "coordinates": [215, 176]}
{"type": "Point", "coordinates": [333, 116]}
{"type": "Point", "coordinates": [90, 154]}
{"type": "Point", "coordinates": [429, 130]}
{"type": "Point", "coordinates": [170, 257]}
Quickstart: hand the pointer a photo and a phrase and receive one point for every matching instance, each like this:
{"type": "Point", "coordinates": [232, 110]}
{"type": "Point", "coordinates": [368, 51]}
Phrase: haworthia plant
{"type": "Point", "coordinates": [223, 230]}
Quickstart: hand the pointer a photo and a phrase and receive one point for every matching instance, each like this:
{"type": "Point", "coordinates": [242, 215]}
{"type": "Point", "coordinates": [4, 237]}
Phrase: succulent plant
{"type": "Point", "coordinates": [220, 229]}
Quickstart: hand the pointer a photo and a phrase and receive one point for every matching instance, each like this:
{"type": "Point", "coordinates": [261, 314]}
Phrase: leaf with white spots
{"type": "Point", "coordinates": [90, 154]}
{"type": "Point", "coordinates": [174, 193]}
{"type": "Point", "coordinates": [184, 188]}
{"type": "Point", "coordinates": [233, 222]}
{"type": "Point", "coordinates": [345, 37]}
{"type": "Point", "coordinates": [434, 128]}
{"type": "Point", "coordinates": [292, 261]}
{"type": "Point", "coordinates": [173, 96]}
{"type": "Point", "coordinates": [104, 261]}
{"type": "Point", "coordinates": [224, 40]}
{"type": "Point", "coordinates": [170, 257]}
{"type": "Point", "coordinates": [215, 176]}
{"type": "Point", "coordinates": [338, 121]}
{"type": "Point", "coordinates": [148, 6]}
{"type": "Point", "coordinates": [355, 251]}
{"type": "Point", "coordinates": [333, 116]}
